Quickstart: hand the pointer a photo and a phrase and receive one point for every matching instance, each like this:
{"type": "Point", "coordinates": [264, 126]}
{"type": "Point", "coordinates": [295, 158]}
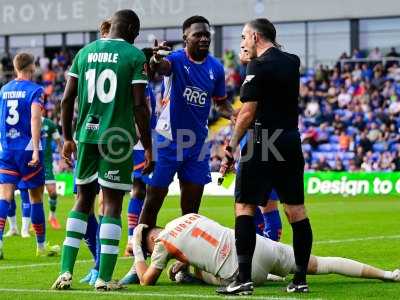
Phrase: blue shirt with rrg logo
{"type": "Point", "coordinates": [189, 89]}
{"type": "Point", "coordinates": [16, 99]}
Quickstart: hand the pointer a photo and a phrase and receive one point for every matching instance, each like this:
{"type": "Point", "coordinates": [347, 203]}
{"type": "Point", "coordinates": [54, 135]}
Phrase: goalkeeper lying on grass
{"type": "Point", "coordinates": [210, 248]}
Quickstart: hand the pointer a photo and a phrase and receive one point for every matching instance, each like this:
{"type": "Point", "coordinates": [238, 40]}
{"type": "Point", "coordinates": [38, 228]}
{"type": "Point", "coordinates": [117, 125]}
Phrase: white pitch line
{"type": "Point", "coordinates": [128, 293]}
{"type": "Point", "coordinates": [368, 238]}
{"type": "Point", "coordinates": [48, 264]}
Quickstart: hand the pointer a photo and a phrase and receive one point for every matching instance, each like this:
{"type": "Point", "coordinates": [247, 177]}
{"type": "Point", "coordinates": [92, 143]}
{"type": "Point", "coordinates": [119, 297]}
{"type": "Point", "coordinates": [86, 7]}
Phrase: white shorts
{"type": "Point", "coordinates": [285, 263]}
{"type": "Point", "coordinates": [269, 257]}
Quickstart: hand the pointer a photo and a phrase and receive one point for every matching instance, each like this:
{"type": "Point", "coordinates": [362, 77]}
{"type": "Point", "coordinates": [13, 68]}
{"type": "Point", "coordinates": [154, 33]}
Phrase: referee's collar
{"type": "Point", "coordinates": [267, 51]}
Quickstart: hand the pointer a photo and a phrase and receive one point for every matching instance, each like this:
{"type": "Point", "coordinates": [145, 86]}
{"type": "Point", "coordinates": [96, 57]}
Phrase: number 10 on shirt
{"type": "Point", "coordinates": [98, 87]}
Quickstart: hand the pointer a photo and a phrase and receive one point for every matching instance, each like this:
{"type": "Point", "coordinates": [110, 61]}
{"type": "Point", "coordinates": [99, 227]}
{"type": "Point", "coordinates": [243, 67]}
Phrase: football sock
{"type": "Point", "coordinates": [110, 235]}
{"type": "Point", "coordinates": [4, 206]}
{"type": "Point", "coordinates": [245, 236]}
{"type": "Point", "coordinates": [38, 223]}
{"type": "Point", "coordinates": [98, 245]}
{"type": "Point", "coordinates": [75, 230]}
{"type": "Point", "coordinates": [12, 218]}
{"type": "Point", "coordinates": [302, 243]}
{"type": "Point", "coordinates": [53, 205]}
{"type": "Point", "coordinates": [259, 221]}
{"type": "Point", "coordinates": [26, 210]}
{"type": "Point", "coordinates": [25, 204]}
{"type": "Point", "coordinates": [273, 225]}
{"type": "Point", "coordinates": [134, 209]}
{"type": "Point", "coordinates": [91, 233]}
{"type": "Point", "coordinates": [12, 208]}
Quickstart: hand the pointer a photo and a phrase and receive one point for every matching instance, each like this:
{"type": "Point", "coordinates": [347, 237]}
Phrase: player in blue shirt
{"type": "Point", "coordinates": [21, 158]}
{"type": "Point", "coordinates": [26, 214]}
{"type": "Point", "coordinates": [194, 79]}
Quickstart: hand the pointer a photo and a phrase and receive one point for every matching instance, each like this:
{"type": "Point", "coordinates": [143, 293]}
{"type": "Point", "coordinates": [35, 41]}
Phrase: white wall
{"type": "Point", "coordinates": [41, 16]}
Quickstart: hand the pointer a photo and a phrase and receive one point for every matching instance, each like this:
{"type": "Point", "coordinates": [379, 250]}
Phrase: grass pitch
{"type": "Point", "coordinates": [362, 228]}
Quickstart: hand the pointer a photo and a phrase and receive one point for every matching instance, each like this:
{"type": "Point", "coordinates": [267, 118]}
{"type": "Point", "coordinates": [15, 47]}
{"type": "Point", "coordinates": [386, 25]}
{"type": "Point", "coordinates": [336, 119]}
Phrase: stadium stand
{"type": "Point", "coordinates": [350, 113]}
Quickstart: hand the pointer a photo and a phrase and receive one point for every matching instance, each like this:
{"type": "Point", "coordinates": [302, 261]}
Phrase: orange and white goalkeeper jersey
{"type": "Point", "coordinates": [209, 246]}
{"type": "Point", "coordinates": [196, 240]}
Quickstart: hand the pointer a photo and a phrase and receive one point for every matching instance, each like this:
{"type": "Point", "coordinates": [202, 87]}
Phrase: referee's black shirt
{"type": "Point", "coordinates": [272, 80]}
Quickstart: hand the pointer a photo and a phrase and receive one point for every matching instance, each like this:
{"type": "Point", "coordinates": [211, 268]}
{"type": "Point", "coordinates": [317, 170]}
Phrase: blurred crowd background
{"type": "Point", "coordinates": [350, 112]}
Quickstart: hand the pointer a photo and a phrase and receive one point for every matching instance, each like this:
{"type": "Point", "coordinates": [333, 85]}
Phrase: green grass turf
{"type": "Point", "coordinates": [334, 219]}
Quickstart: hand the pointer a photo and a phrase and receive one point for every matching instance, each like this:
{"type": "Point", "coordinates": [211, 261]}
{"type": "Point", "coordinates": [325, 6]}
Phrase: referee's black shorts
{"type": "Point", "coordinates": [256, 178]}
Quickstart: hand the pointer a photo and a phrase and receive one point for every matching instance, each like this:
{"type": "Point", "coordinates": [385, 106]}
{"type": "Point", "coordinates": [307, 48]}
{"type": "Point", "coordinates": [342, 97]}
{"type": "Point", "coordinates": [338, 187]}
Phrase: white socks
{"type": "Point", "coordinates": [25, 224]}
{"type": "Point", "coordinates": [12, 221]}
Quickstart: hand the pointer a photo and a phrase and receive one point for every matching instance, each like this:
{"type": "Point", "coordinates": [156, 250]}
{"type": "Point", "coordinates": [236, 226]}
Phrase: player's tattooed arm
{"type": "Point", "coordinates": [244, 120]}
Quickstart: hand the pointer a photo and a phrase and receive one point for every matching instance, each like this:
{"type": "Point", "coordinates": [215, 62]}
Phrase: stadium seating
{"type": "Point", "coordinates": [370, 99]}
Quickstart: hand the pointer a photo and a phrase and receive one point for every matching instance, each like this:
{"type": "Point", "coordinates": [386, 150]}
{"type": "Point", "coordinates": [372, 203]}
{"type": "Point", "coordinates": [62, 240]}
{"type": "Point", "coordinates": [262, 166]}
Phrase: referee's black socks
{"type": "Point", "coordinates": [245, 236]}
{"type": "Point", "coordinates": [302, 243]}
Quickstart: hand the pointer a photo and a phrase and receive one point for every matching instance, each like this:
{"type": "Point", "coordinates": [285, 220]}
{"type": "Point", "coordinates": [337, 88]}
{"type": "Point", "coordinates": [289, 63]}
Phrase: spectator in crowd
{"type": "Point", "coordinates": [365, 142]}
{"type": "Point", "coordinates": [375, 54]}
{"type": "Point", "coordinates": [344, 141]}
{"type": "Point", "coordinates": [357, 54]}
{"type": "Point", "coordinates": [322, 164]}
{"type": "Point", "coordinates": [351, 109]}
{"type": "Point", "coordinates": [396, 161]}
{"type": "Point", "coordinates": [393, 53]}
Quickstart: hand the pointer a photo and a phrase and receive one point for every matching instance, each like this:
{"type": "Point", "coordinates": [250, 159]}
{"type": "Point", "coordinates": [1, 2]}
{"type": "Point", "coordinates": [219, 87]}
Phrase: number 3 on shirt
{"type": "Point", "coordinates": [13, 115]}
{"type": "Point", "coordinates": [99, 86]}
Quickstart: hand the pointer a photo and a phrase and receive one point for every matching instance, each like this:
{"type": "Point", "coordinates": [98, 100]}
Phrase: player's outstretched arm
{"type": "Point", "coordinates": [157, 62]}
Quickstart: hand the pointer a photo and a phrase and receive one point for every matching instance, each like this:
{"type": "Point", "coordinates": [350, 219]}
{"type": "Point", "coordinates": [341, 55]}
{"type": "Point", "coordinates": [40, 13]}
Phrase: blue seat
{"type": "Point", "coordinates": [349, 155]}
{"type": "Point", "coordinates": [325, 147]}
{"type": "Point", "coordinates": [306, 147]}
{"type": "Point", "coordinates": [351, 130]}
{"type": "Point", "coordinates": [375, 156]}
{"type": "Point", "coordinates": [379, 147]}
{"type": "Point", "coordinates": [331, 163]}
{"type": "Point", "coordinates": [316, 155]}
{"type": "Point", "coordinates": [395, 147]}
{"type": "Point", "coordinates": [334, 139]}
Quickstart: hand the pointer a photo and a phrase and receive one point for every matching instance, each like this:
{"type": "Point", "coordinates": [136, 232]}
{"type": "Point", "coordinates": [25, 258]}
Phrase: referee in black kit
{"type": "Point", "coordinates": [273, 156]}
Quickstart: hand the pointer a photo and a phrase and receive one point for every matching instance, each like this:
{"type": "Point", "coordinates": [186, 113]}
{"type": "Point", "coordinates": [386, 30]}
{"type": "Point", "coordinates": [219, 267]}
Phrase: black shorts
{"type": "Point", "coordinates": [256, 177]}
